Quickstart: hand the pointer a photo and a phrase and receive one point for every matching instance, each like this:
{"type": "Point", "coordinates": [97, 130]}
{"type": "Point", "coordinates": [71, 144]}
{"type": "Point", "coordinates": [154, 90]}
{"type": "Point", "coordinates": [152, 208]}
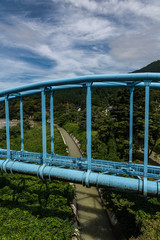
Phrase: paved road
{"type": "Point", "coordinates": [93, 219]}
{"type": "Point", "coordinates": [12, 123]}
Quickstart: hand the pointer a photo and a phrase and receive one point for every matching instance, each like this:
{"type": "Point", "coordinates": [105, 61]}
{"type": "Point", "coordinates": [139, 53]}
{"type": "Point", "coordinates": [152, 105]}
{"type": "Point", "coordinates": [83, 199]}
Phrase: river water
{"type": "Point", "coordinates": [93, 219]}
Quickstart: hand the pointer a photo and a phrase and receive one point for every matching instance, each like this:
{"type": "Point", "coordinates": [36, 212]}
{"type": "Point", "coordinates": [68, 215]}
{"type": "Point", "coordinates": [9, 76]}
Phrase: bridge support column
{"type": "Point", "coordinates": [44, 142]}
{"type": "Point", "coordinates": [21, 120]}
{"type": "Point", "coordinates": [88, 124]}
{"type": "Point", "coordinates": [147, 85]}
{"type": "Point", "coordinates": [52, 121]}
{"type": "Point", "coordinates": [131, 127]}
{"type": "Point", "coordinates": [3, 166]}
{"type": "Point", "coordinates": [7, 126]}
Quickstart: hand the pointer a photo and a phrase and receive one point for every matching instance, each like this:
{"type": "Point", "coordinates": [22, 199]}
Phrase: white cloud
{"type": "Point", "coordinates": [137, 47]}
{"type": "Point", "coordinates": [149, 9]}
{"type": "Point", "coordinates": [85, 37]}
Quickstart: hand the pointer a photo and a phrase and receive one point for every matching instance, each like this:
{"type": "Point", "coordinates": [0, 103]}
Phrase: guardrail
{"type": "Point", "coordinates": [91, 171]}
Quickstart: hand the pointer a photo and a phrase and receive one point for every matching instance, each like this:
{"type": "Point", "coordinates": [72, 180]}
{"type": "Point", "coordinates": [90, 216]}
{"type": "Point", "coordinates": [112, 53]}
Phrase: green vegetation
{"type": "Point", "coordinates": [110, 140]}
{"type": "Point", "coordinates": [139, 216]}
{"type": "Point", "coordinates": [34, 209]}
{"type": "Point", "coordinates": [152, 67]}
{"type": "Point", "coordinates": [32, 138]}
{"type": "Point", "coordinates": [31, 208]}
{"type": "Point", "coordinates": [117, 122]}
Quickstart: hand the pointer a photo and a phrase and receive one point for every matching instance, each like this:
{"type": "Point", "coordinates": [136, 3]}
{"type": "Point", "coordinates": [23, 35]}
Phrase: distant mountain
{"type": "Point", "coordinates": [152, 67]}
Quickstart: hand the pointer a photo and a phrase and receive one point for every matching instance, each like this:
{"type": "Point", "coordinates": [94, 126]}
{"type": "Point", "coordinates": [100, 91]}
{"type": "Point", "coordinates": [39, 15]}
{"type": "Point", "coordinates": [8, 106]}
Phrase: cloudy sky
{"type": "Point", "coordinates": [49, 39]}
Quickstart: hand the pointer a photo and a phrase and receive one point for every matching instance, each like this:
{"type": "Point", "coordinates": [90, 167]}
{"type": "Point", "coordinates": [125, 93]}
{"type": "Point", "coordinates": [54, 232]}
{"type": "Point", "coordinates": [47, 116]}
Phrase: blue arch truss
{"type": "Point", "coordinates": [143, 178]}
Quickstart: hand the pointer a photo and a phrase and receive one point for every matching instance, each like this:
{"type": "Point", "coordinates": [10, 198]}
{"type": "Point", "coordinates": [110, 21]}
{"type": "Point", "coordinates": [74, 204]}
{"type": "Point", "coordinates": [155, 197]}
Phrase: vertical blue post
{"type": "Point", "coordinates": [147, 84]}
{"type": "Point", "coordinates": [21, 120]}
{"type": "Point", "coordinates": [88, 122]}
{"type": "Point", "coordinates": [131, 127]}
{"type": "Point", "coordinates": [7, 127]}
{"type": "Point", "coordinates": [52, 122]}
{"type": "Point", "coordinates": [43, 96]}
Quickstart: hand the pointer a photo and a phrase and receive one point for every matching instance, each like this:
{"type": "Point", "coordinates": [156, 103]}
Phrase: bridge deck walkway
{"type": "Point", "coordinates": [93, 219]}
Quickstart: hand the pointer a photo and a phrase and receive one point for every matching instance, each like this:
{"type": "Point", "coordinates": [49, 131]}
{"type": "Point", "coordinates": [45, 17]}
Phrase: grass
{"type": "Point", "coordinates": [32, 208]}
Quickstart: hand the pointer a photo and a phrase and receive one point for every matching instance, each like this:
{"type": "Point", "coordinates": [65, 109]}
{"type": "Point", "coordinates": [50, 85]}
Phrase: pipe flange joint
{"type": "Point", "coordinates": [11, 167]}
{"type": "Point", "coordinates": [4, 167]}
{"type": "Point", "coordinates": [40, 171]}
{"type": "Point", "coordinates": [158, 187]}
{"type": "Point", "coordinates": [97, 179]}
{"type": "Point", "coordinates": [145, 186]}
{"type": "Point", "coordinates": [49, 174]}
{"type": "Point", "coordinates": [83, 179]}
{"type": "Point", "coordinates": [87, 178]}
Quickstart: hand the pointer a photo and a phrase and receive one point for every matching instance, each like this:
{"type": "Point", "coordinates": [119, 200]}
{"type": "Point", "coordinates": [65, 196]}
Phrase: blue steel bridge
{"type": "Point", "coordinates": [140, 178]}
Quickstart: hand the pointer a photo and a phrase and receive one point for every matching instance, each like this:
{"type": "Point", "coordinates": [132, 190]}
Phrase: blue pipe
{"type": "Point", "coordinates": [36, 91]}
{"type": "Point", "coordinates": [74, 86]}
{"type": "Point", "coordinates": [52, 122]}
{"type": "Point", "coordinates": [147, 83]}
{"type": "Point", "coordinates": [7, 127]}
{"type": "Point", "coordinates": [21, 120]}
{"type": "Point", "coordinates": [44, 141]}
{"type": "Point", "coordinates": [88, 124]}
{"type": "Point", "coordinates": [94, 179]}
{"type": "Point", "coordinates": [131, 127]}
{"type": "Point", "coordinates": [63, 87]}
{"type": "Point", "coordinates": [83, 79]}
{"type": "Point", "coordinates": [88, 178]}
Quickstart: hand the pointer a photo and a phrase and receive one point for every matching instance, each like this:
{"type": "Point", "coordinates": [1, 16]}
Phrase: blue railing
{"type": "Point", "coordinates": [87, 170]}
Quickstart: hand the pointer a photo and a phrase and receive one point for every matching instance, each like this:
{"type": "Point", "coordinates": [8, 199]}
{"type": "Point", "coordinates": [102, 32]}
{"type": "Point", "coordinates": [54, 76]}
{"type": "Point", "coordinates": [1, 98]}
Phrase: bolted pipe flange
{"type": "Point", "coordinates": [11, 167]}
{"type": "Point", "coordinates": [3, 167]}
{"type": "Point", "coordinates": [145, 186]}
{"type": "Point", "coordinates": [83, 179]}
{"type": "Point", "coordinates": [87, 178]}
{"type": "Point", "coordinates": [40, 171]}
{"type": "Point", "coordinates": [158, 188]}
{"type": "Point", "coordinates": [49, 174]}
{"type": "Point", "coordinates": [97, 180]}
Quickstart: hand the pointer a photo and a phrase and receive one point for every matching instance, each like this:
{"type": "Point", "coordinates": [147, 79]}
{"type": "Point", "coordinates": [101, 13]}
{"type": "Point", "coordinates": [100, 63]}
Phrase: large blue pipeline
{"type": "Point", "coordinates": [88, 178]}
{"type": "Point", "coordinates": [110, 79]}
{"type": "Point", "coordinates": [87, 171]}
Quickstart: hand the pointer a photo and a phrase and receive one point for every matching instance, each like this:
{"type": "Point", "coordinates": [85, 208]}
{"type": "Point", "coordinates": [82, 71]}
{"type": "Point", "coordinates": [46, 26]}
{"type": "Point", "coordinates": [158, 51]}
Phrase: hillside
{"type": "Point", "coordinates": [152, 67]}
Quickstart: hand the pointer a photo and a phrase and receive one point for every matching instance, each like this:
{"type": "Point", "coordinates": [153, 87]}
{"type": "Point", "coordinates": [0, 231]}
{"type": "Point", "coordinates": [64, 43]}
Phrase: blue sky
{"type": "Point", "coordinates": [49, 39]}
